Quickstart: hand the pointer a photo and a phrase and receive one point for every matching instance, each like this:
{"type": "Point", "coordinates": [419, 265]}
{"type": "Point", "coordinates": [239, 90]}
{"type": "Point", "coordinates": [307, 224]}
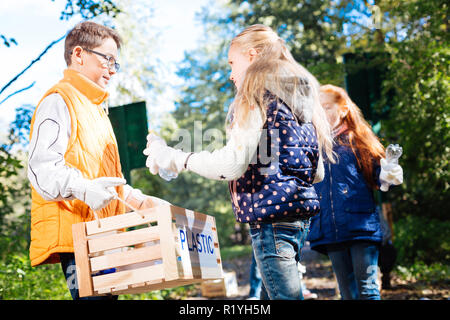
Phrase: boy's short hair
{"type": "Point", "coordinates": [88, 35]}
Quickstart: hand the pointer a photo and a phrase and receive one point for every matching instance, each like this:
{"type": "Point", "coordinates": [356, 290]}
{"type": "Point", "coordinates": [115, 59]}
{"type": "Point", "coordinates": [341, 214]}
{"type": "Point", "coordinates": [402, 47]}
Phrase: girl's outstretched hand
{"type": "Point", "coordinates": [161, 156]}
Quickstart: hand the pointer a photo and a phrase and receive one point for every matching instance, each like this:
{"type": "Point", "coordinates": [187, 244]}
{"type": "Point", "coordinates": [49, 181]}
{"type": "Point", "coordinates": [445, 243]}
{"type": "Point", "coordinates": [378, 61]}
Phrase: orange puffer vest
{"type": "Point", "coordinates": [92, 149]}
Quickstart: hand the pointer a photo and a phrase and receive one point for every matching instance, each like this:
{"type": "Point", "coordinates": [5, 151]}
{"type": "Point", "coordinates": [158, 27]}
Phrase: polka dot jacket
{"type": "Point", "coordinates": [277, 184]}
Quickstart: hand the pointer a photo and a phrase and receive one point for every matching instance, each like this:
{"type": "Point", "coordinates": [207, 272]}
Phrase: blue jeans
{"type": "Point", "coordinates": [255, 280]}
{"type": "Point", "coordinates": [69, 270]}
{"type": "Point", "coordinates": [355, 266]}
{"type": "Point", "coordinates": [277, 249]}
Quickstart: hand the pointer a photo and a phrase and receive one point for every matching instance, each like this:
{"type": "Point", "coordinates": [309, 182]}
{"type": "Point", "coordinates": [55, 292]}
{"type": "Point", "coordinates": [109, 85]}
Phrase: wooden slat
{"type": "Point", "coordinates": [103, 291]}
{"type": "Point", "coordinates": [167, 242]}
{"type": "Point", "coordinates": [155, 286]}
{"type": "Point", "coordinates": [129, 277]}
{"type": "Point", "coordinates": [144, 277]}
{"type": "Point", "coordinates": [214, 288]}
{"type": "Point", "coordinates": [123, 239]}
{"type": "Point", "coordinates": [217, 249]}
{"type": "Point", "coordinates": [193, 219]}
{"type": "Point", "coordinates": [174, 283]}
{"type": "Point", "coordinates": [186, 212]}
{"type": "Point", "coordinates": [170, 284]}
{"type": "Point", "coordinates": [181, 211]}
{"type": "Point", "coordinates": [140, 284]}
{"type": "Point", "coordinates": [130, 290]}
{"type": "Point", "coordinates": [206, 273]}
{"type": "Point", "coordinates": [85, 287]}
{"type": "Point", "coordinates": [122, 221]}
{"type": "Point", "coordinates": [120, 259]}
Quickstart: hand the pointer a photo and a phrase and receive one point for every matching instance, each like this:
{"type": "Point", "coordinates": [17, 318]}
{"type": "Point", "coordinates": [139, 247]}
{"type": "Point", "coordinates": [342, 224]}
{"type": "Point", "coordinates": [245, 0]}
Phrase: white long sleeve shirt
{"type": "Point", "coordinates": [231, 161]}
{"type": "Point", "coordinates": [47, 169]}
{"type": "Point", "coordinates": [54, 180]}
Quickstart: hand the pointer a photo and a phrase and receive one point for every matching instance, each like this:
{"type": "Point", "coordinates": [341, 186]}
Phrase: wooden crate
{"type": "Point", "coordinates": [224, 287]}
{"type": "Point", "coordinates": [168, 247]}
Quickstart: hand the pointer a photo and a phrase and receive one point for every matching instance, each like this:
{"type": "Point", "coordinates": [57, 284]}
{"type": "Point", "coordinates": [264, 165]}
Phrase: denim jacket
{"type": "Point", "coordinates": [348, 209]}
{"type": "Point", "coordinates": [282, 188]}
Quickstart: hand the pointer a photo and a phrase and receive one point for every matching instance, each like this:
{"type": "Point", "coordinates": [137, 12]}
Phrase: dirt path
{"type": "Point", "coordinates": [319, 276]}
{"type": "Point", "coordinates": [319, 279]}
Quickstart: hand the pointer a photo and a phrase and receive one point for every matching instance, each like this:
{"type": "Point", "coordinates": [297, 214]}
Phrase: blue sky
{"type": "Point", "coordinates": [35, 24]}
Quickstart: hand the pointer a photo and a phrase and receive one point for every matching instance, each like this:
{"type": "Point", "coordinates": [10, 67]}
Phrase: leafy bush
{"type": "Point", "coordinates": [19, 281]}
{"type": "Point", "coordinates": [419, 117]}
{"type": "Point", "coordinates": [420, 239]}
{"type": "Point", "coordinates": [436, 272]}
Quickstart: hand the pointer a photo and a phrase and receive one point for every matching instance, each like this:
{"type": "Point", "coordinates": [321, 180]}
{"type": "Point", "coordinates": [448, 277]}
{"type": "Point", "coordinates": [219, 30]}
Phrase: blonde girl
{"type": "Point", "coordinates": [277, 135]}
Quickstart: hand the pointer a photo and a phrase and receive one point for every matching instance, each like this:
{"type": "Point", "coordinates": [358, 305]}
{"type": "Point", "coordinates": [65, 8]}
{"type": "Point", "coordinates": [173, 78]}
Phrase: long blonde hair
{"type": "Point", "coordinates": [275, 62]}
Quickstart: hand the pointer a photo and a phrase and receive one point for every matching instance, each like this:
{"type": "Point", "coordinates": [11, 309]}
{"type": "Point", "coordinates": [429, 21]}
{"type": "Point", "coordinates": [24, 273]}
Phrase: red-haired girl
{"type": "Point", "coordinates": [348, 228]}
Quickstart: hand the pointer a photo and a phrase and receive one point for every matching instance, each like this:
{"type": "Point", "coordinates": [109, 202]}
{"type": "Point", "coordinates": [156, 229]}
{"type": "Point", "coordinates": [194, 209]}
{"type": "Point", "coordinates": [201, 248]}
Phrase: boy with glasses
{"type": "Point", "coordinates": [74, 166]}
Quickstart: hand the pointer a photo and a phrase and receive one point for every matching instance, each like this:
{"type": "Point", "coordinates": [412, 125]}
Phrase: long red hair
{"type": "Point", "coordinates": [365, 145]}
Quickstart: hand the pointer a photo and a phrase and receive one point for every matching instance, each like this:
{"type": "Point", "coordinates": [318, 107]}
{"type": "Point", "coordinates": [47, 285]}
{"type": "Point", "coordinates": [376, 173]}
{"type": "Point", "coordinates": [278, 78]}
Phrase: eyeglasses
{"type": "Point", "coordinates": [112, 64]}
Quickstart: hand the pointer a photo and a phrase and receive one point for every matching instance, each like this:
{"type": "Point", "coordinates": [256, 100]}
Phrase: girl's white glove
{"type": "Point", "coordinates": [391, 174]}
{"type": "Point", "coordinates": [161, 156]}
{"type": "Point", "coordinates": [96, 193]}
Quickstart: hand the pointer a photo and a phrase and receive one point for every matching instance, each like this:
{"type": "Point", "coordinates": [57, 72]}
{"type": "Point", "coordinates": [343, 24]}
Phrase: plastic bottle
{"type": "Point", "coordinates": [393, 152]}
{"type": "Point", "coordinates": [167, 174]}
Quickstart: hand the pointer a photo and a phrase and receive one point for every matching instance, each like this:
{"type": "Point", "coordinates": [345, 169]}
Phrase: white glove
{"type": "Point", "coordinates": [161, 156]}
{"type": "Point", "coordinates": [391, 174]}
{"type": "Point", "coordinates": [96, 193]}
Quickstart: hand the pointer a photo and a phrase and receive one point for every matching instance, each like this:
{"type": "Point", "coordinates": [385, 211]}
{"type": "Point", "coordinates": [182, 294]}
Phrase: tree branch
{"type": "Point", "coordinates": [32, 62]}
{"type": "Point", "coordinates": [23, 89]}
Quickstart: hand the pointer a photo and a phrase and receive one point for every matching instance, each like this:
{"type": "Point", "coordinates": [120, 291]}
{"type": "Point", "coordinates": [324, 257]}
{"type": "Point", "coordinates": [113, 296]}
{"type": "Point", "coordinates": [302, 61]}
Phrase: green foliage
{"type": "Point", "coordinates": [313, 30]}
{"type": "Point", "coordinates": [15, 230]}
{"type": "Point", "coordinates": [419, 271]}
{"type": "Point", "coordinates": [140, 76]}
{"type": "Point", "coordinates": [14, 190]}
{"type": "Point", "coordinates": [414, 37]}
{"type": "Point", "coordinates": [419, 118]}
{"type": "Point", "coordinates": [89, 9]}
{"type": "Point", "coordinates": [19, 281]}
{"type": "Point", "coordinates": [9, 191]}
{"type": "Point", "coordinates": [8, 168]}
{"type": "Point", "coordinates": [414, 34]}
{"type": "Point", "coordinates": [421, 239]}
